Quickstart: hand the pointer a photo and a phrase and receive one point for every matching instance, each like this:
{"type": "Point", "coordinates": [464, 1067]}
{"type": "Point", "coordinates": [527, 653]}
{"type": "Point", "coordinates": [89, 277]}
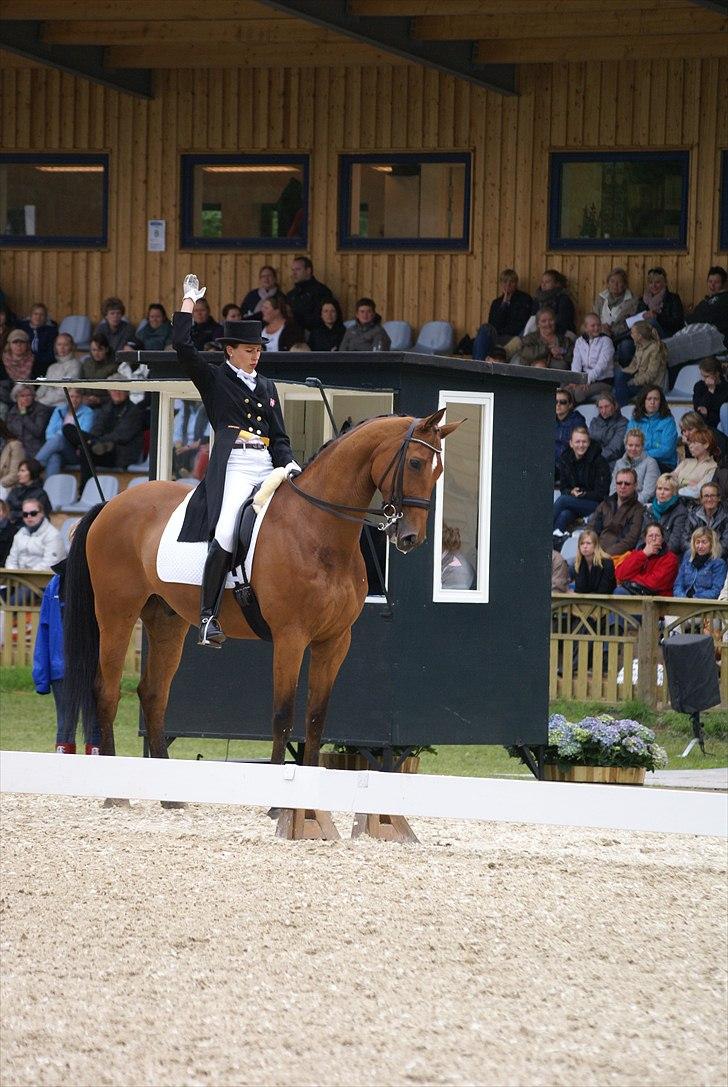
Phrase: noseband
{"type": "Point", "coordinates": [393, 510]}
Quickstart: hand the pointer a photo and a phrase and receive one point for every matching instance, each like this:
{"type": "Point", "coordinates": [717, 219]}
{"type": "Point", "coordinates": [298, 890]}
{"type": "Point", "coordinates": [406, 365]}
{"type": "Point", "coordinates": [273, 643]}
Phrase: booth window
{"type": "Point", "coordinates": [419, 201]}
{"type": "Point", "coordinates": [462, 520]}
{"type": "Point", "coordinates": [619, 200]}
{"type": "Point", "coordinates": [723, 240]}
{"type": "Point", "coordinates": [244, 201]}
{"type": "Point", "coordinates": [53, 200]}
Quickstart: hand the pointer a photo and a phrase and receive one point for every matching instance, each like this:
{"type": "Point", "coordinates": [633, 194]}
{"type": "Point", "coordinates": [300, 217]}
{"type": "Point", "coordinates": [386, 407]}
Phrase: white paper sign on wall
{"type": "Point", "coordinates": [157, 235]}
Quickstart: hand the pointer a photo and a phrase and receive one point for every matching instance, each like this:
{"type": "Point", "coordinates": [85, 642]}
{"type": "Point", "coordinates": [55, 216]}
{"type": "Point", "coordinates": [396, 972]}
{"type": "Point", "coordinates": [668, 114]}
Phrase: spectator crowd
{"type": "Point", "coordinates": [653, 497]}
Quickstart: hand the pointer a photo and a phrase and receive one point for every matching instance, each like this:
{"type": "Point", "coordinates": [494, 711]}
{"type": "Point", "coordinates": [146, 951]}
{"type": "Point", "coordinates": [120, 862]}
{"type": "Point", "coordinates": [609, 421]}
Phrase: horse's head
{"type": "Point", "coordinates": [405, 469]}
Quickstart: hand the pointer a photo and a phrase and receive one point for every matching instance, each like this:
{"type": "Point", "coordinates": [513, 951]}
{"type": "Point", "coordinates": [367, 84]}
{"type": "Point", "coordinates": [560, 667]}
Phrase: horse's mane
{"type": "Point", "coordinates": [342, 437]}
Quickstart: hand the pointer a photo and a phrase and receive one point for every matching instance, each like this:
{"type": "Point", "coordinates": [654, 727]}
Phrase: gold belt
{"type": "Point", "coordinates": [247, 436]}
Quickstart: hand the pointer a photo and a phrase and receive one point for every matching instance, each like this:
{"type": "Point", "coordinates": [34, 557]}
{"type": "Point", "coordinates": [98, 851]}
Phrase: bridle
{"type": "Point", "coordinates": [393, 510]}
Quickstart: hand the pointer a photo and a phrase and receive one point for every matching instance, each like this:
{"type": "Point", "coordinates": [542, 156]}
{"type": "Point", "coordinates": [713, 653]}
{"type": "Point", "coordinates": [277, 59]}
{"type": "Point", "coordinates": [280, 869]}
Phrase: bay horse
{"type": "Point", "coordinates": [308, 574]}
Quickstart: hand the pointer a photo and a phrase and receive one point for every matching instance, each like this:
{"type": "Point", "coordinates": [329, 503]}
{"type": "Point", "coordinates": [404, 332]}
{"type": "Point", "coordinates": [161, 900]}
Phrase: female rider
{"type": "Point", "coordinates": [250, 440]}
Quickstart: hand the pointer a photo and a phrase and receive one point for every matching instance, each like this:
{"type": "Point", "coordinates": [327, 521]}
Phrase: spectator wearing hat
{"type": "Point", "coordinates": [18, 365]}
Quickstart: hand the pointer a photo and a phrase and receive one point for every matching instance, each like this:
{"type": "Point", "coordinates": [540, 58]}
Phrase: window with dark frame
{"type": "Point", "coordinates": [244, 201]}
{"type": "Point", "coordinates": [405, 201]}
{"type": "Point", "coordinates": [618, 200]}
{"type": "Point", "coordinates": [53, 200]}
{"type": "Point", "coordinates": [723, 214]}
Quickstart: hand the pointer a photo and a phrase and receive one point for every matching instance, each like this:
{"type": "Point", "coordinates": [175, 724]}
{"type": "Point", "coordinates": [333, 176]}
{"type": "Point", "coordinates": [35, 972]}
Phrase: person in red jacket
{"type": "Point", "coordinates": [650, 570]}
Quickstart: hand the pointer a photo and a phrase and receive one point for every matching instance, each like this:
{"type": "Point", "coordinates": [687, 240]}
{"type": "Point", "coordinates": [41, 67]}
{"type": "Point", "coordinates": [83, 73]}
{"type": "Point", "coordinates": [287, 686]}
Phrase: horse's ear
{"type": "Point", "coordinates": [432, 420]}
{"type": "Point", "coordinates": [449, 427]}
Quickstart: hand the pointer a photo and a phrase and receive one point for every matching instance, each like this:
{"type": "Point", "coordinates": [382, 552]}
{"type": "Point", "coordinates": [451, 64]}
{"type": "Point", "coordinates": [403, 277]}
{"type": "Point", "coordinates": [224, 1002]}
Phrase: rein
{"type": "Point", "coordinates": [391, 511]}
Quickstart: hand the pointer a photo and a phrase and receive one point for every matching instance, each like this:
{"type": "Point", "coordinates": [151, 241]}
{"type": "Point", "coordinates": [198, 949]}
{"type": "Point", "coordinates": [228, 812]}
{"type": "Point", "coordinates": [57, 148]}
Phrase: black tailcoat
{"type": "Point", "coordinates": [230, 407]}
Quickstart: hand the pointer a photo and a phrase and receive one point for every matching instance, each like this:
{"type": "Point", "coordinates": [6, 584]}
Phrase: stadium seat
{"type": "Point", "coordinates": [589, 411]}
{"type": "Point", "coordinates": [400, 335]}
{"type": "Point", "coordinates": [350, 323]}
{"type": "Point", "coordinates": [435, 338]}
{"type": "Point", "coordinates": [136, 481]}
{"type": "Point", "coordinates": [80, 328]}
{"type": "Point", "coordinates": [142, 466]}
{"type": "Point", "coordinates": [568, 551]}
{"type": "Point", "coordinates": [66, 528]}
{"type": "Point", "coordinates": [90, 496]}
{"type": "Point", "coordinates": [61, 490]}
{"type": "Point", "coordinates": [684, 383]}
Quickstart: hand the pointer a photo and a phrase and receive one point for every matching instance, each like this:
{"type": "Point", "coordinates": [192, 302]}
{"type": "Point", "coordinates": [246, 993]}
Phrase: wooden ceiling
{"type": "Point", "coordinates": [121, 41]}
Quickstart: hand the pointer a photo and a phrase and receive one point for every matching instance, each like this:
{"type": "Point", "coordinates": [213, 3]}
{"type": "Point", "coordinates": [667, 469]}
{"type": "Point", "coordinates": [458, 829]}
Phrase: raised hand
{"type": "Point", "coordinates": [191, 288]}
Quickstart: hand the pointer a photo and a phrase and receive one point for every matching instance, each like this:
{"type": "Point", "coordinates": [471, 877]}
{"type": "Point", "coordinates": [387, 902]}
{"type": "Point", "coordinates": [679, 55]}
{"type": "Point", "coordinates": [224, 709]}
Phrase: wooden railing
{"type": "Point", "coordinates": [607, 648]}
{"type": "Point", "coordinates": [22, 592]}
{"type": "Point", "coordinates": [603, 648]}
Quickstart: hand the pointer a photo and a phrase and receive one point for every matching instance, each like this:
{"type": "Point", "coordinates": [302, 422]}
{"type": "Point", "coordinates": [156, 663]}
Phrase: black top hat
{"type": "Point", "coordinates": [236, 332]}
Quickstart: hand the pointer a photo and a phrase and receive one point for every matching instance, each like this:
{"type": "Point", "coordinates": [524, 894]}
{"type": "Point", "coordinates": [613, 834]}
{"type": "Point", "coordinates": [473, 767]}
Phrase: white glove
{"type": "Point", "coordinates": [191, 288]}
{"type": "Point", "coordinates": [292, 467]}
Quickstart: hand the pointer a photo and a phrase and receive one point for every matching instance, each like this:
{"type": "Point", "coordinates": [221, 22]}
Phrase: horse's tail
{"type": "Point", "coordinates": [80, 629]}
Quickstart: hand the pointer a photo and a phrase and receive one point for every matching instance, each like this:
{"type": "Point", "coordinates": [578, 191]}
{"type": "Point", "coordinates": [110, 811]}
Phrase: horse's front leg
{"type": "Point", "coordinates": [326, 660]}
{"type": "Point", "coordinates": [288, 650]}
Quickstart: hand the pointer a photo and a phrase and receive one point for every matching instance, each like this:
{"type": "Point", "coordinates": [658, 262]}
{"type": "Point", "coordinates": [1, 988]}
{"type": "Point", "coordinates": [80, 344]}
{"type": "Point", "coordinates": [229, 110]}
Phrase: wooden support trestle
{"type": "Point", "coordinates": [386, 828]}
{"type": "Point", "coordinates": [298, 823]}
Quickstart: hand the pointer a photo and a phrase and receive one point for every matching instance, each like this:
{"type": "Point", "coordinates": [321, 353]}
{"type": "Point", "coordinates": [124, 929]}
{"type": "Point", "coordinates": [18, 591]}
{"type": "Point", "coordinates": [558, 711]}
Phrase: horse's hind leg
{"type": "Point", "coordinates": [326, 660]}
{"type": "Point", "coordinates": [166, 635]}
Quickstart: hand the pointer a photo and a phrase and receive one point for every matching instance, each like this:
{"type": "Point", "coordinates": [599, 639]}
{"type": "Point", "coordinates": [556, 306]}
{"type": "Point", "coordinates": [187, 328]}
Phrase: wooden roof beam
{"type": "Point", "coordinates": [689, 20]}
{"type": "Point", "coordinates": [116, 11]}
{"type": "Point", "coordinates": [448, 8]}
{"type": "Point", "coordinates": [133, 32]}
{"type": "Point", "coordinates": [562, 50]}
{"type": "Point", "coordinates": [23, 37]}
{"type": "Point", "coordinates": [293, 54]}
{"type": "Point", "coordinates": [393, 36]}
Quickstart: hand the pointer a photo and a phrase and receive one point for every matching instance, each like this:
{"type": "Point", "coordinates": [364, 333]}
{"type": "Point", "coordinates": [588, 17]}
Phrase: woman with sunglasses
{"type": "Point", "coordinates": [29, 485]}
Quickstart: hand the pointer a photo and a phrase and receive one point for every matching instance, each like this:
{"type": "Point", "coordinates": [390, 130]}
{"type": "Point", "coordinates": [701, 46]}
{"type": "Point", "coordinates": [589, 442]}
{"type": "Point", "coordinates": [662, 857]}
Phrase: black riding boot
{"type": "Point", "coordinates": [217, 566]}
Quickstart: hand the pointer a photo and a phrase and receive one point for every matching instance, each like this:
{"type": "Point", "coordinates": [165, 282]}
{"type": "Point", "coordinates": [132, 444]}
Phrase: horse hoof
{"type": "Point", "coordinates": [173, 803]}
{"type": "Point", "coordinates": [116, 802]}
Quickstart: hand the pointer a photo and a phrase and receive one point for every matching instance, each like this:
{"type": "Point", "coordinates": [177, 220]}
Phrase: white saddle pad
{"type": "Point", "coordinates": [185, 562]}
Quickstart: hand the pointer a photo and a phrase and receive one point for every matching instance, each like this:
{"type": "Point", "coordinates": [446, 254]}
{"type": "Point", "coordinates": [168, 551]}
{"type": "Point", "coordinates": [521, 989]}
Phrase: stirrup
{"type": "Point", "coordinates": [210, 632]}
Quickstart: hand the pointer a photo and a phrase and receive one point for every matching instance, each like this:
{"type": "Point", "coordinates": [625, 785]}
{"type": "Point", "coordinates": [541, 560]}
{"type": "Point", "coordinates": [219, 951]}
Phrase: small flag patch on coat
{"type": "Point", "coordinates": [272, 402]}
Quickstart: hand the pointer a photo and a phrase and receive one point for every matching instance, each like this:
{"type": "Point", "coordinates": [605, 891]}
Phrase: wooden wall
{"type": "Point", "coordinates": [327, 110]}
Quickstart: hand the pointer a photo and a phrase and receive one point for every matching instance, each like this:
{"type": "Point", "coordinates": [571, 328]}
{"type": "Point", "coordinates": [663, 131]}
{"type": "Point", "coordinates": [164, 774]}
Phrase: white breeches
{"type": "Point", "coordinates": [245, 469]}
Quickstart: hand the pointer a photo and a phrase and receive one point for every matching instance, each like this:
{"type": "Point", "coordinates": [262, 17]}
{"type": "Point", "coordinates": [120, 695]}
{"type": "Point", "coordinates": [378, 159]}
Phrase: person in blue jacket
{"type": "Point", "coordinates": [57, 451]}
{"type": "Point", "coordinates": [653, 417]}
{"type": "Point", "coordinates": [702, 570]}
{"type": "Point", "coordinates": [49, 665]}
